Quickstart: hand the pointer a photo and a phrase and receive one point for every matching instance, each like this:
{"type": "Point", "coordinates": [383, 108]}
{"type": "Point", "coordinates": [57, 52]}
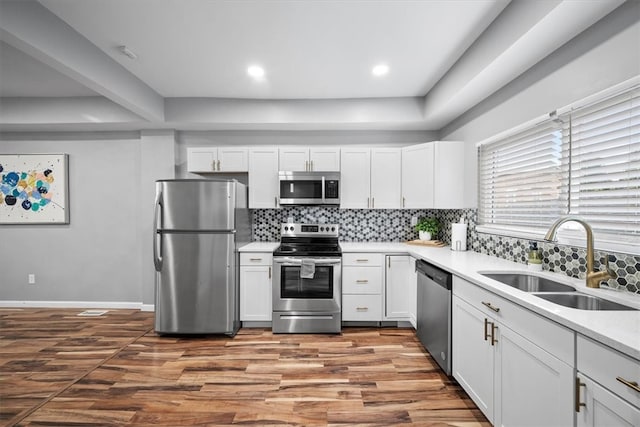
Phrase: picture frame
{"type": "Point", "coordinates": [34, 189]}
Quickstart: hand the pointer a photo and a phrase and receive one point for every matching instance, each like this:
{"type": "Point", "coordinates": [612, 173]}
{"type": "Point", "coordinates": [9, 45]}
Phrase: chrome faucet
{"type": "Point", "coordinates": [593, 277]}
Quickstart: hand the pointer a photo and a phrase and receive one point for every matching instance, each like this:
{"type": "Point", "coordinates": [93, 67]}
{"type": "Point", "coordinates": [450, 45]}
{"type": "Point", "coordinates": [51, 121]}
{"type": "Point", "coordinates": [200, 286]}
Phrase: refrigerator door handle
{"type": "Point", "coordinates": [157, 239]}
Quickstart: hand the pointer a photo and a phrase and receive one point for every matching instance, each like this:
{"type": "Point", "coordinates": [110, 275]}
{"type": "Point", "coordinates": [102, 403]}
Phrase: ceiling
{"type": "Point", "coordinates": [190, 70]}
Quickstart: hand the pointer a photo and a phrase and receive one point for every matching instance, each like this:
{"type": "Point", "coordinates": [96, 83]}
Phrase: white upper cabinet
{"type": "Point", "coordinates": [433, 175]}
{"type": "Point", "coordinates": [217, 159]}
{"type": "Point", "coordinates": [263, 178]}
{"type": "Point", "coordinates": [355, 178]}
{"type": "Point", "coordinates": [370, 178]}
{"type": "Point", "coordinates": [386, 173]}
{"type": "Point", "coordinates": [417, 176]}
{"type": "Point", "coordinates": [323, 159]}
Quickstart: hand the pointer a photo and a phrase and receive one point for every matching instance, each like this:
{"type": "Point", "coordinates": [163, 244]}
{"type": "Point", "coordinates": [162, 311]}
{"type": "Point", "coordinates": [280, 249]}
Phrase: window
{"type": "Point", "coordinates": [584, 162]}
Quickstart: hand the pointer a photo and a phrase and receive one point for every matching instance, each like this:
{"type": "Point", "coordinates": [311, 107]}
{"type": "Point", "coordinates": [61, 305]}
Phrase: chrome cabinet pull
{"type": "Point", "coordinates": [630, 384]}
{"type": "Point", "coordinates": [255, 259]}
{"type": "Point", "coordinates": [578, 403]}
{"type": "Point", "coordinates": [362, 260]}
{"type": "Point", "coordinates": [362, 281]}
{"type": "Point", "coordinates": [213, 165]}
{"type": "Point", "coordinates": [486, 323]}
{"type": "Point", "coordinates": [311, 164]}
{"type": "Point", "coordinates": [389, 261]}
{"type": "Point", "coordinates": [488, 304]}
{"type": "Point", "coordinates": [276, 201]}
{"type": "Point", "coordinates": [362, 308]}
{"type": "Point", "coordinates": [269, 272]}
{"type": "Point", "coordinates": [403, 202]}
{"type": "Point", "coordinates": [306, 165]}
{"type": "Point", "coordinates": [218, 165]}
{"type": "Point", "coordinates": [373, 203]}
{"type": "Point", "coordinates": [368, 203]}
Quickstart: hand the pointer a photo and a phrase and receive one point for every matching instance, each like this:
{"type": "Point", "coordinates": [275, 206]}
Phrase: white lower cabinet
{"type": "Point", "coordinates": [607, 391]}
{"type": "Point", "coordinates": [255, 286]}
{"type": "Point", "coordinates": [362, 278]}
{"type": "Point", "coordinates": [516, 366]}
{"type": "Point", "coordinates": [398, 273]}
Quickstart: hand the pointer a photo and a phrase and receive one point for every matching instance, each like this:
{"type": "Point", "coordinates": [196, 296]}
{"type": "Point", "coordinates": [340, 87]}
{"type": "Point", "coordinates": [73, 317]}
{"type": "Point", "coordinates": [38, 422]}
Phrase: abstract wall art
{"type": "Point", "coordinates": [34, 189]}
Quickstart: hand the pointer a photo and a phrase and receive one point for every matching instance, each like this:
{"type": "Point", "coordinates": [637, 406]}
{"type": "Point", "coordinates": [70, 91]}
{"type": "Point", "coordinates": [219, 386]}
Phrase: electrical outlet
{"type": "Point", "coordinates": [414, 220]}
{"type": "Point", "coordinates": [32, 279]}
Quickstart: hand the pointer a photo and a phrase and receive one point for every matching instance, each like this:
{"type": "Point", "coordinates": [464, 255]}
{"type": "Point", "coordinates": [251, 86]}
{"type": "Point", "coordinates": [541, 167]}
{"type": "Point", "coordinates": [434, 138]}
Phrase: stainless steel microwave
{"type": "Point", "coordinates": [309, 188]}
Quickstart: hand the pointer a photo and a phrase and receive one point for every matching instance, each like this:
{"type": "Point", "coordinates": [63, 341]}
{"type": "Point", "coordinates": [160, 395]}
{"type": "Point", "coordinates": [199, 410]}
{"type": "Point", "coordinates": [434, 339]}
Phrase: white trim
{"type": "Point", "coordinates": [147, 307]}
{"type": "Point", "coordinates": [620, 87]}
{"type": "Point", "coordinates": [72, 304]}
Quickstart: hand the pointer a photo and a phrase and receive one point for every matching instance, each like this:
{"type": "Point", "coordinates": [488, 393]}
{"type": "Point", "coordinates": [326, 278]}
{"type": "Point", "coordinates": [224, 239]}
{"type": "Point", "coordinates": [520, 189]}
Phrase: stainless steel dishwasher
{"type": "Point", "coordinates": [434, 312]}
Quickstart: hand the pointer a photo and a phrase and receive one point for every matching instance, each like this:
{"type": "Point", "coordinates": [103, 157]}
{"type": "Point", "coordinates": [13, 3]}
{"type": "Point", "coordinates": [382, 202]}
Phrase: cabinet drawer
{"type": "Point", "coordinates": [362, 259]}
{"type": "Point", "coordinates": [361, 280]}
{"type": "Point", "coordinates": [362, 307]}
{"type": "Point", "coordinates": [256, 258]}
{"type": "Point", "coordinates": [604, 365]}
{"type": "Point", "coordinates": [554, 338]}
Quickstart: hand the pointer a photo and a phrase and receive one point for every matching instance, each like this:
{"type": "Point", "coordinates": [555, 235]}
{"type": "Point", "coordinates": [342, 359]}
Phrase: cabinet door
{"type": "Point", "coordinates": [255, 293]}
{"type": "Point", "coordinates": [233, 159]}
{"type": "Point", "coordinates": [448, 188]}
{"type": "Point", "coordinates": [294, 159]}
{"type": "Point", "coordinates": [603, 408]}
{"type": "Point", "coordinates": [398, 287]}
{"type": "Point", "coordinates": [473, 355]}
{"type": "Point", "coordinates": [413, 293]}
{"type": "Point", "coordinates": [386, 174]}
{"type": "Point", "coordinates": [201, 159]}
{"type": "Point", "coordinates": [532, 387]}
{"type": "Point", "coordinates": [417, 176]}
{"type": "Point", "coordinates": [324, 159]}
{"type": "Point", "coordinates": [355, 181]}
{"type": "Point", "coordinates": [263, 178]}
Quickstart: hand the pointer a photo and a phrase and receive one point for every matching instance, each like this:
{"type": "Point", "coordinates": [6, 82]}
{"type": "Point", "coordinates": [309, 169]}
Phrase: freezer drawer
{"type": "Point", "coordinates": [196, 284]}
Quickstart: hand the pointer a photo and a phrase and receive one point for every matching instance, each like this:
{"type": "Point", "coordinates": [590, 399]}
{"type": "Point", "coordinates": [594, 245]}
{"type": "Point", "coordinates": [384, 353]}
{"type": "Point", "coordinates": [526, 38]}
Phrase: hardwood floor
{"type": "Point", "coordinates": [60, 369]}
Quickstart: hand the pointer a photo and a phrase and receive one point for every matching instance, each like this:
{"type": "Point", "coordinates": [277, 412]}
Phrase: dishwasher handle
{"type": "Point", "coordinates": [437, 275]}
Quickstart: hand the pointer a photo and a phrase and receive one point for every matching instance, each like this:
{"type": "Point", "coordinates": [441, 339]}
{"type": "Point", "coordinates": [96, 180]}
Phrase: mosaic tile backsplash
{"type": "Point", "coordinates": [388, 225]}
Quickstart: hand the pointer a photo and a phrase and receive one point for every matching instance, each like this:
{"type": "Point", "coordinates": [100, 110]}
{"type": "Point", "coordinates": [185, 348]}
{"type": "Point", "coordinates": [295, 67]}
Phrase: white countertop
{"type": "Point", "coordinates": [260, 247]}
{"type": "Point", "coordinates": [617, 329]}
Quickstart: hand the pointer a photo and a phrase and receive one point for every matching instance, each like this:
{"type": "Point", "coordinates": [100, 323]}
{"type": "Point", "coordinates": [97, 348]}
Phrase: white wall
{"type": "Point", "coordinates": [604, 55]}
{"type": "Point", "coordinates": [97, 257]}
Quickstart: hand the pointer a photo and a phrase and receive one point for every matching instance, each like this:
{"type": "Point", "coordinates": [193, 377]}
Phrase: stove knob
{"type": "Point", "coordinates": [333, 229]}
{"type": "Point", "coordinates": [286, 228]}
{"type": "Point", "coordinates": [321, 228]}
{"type": "Point", "coordinates": [291, 228]}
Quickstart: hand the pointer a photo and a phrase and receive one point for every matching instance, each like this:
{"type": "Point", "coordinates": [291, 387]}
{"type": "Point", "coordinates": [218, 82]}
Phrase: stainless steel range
{"type": "Point", "coordinates": [307, 275]}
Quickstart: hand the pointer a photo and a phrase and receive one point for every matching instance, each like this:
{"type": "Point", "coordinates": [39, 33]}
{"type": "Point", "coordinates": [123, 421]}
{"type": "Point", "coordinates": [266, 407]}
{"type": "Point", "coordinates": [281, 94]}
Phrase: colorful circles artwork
{"type": "Point", "coordinates": [33, 189]}
{"type": "Point", "coordinates": [28, 189]}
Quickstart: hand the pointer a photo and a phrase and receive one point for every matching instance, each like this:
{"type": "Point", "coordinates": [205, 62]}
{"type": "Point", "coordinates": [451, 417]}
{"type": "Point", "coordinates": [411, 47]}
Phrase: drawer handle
{"type": "Point", "coordinates": [578, 403]}
{"type": "Point", "coordinates": [362, 281]}
{"type": "Point", "coordinates": [255, 259]}
{"type": "Point", "coordinates": [362, 260]}
{"type": "Point", "coordinates": [488, 304]}
{"type": "Point", "coordinates": [362, 308]}
{"type": "Point", "coordinates": [630, 384]}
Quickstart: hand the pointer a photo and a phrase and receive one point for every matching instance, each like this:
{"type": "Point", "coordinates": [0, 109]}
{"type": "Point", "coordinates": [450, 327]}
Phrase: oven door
{"type": "Point", "coordinates": [320, 293]}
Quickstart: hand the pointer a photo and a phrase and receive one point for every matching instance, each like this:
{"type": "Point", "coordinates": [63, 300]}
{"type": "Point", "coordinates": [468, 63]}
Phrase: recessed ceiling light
{"type": "Point", "coordinates": [380, 70]}
{"type": "Point", "coordinates": [255, 71]}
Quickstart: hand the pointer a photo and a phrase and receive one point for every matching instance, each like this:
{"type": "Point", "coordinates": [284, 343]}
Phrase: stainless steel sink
{"type": "Point", "coordinates": [583, 302]}
{"type": "Point", "coordinates": [529, 283]}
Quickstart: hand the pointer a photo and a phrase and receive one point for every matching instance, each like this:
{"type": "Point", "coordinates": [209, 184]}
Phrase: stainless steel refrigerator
{"type": "Point", "coordinates": [198, 228]}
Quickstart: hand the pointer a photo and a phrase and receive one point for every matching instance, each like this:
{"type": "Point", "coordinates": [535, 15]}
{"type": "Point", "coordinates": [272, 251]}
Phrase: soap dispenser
{"type": "Point", "coordinates": [535, 257]}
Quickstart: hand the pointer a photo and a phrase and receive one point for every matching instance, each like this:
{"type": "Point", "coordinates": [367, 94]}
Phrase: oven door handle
{"type": "Point", "coordinates": [298, 261]}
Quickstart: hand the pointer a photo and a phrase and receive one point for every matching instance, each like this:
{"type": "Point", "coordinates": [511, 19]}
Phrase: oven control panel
{"type": "Point", "coordinates": [309, 230]}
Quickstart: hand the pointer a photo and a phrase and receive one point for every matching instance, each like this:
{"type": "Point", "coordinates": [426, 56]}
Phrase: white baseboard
{"type": "Point", "coordinates": [77, 304]}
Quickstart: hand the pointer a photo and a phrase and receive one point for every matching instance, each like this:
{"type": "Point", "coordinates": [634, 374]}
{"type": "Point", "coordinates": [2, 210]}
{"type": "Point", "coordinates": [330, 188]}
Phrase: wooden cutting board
{"type": "Point", "coordinates": [432, 243]}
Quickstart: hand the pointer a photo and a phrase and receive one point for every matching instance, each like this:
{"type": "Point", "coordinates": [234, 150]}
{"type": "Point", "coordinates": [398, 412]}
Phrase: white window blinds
{"type": "Point", "coordinates": [521, 178]}
{"type": "Point", "coordinates": [602, 152]}
{"type": "Point", "coordinates": [587, 163]}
